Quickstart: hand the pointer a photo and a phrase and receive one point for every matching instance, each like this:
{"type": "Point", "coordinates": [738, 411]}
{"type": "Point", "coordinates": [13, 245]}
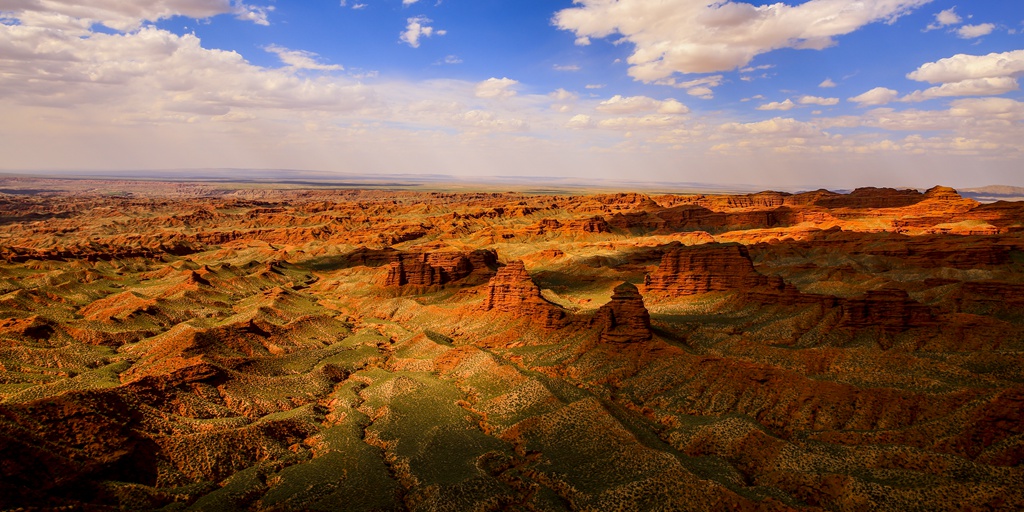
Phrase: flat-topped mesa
{"type": "Point", "coordinates": [624, 319]}
{"type": "Point", "coordinates": [438, 268]}
{"type": "Point", "coordinates": [872, 197]}
{"type": "Point", "coordinates": [694, 269]}
{"type": "Point", "coordinates": [941, 193]}
{"type": "Point", "coordinates": [513, 291]}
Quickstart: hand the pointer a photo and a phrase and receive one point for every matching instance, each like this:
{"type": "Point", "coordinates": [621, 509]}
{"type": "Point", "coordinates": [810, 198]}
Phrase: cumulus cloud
{"type": "Point", "coordinates": [563, 95]}
{"type": "Point", "coordinates": [563, 100]}
{"type": "Point", "coordinates": [964, 67]}
{"type": "Point", "coordinates": [417, 28]}
{"type": "Point", "coordinates": [973, 31]}
{"type": "Point", "coordinates": [774, 126]}
{"type": "Point", "coordinates": [126, 16]}
{"type": "Point", "coordinates": [995, 108]}
{"type": "Point", "coordinates": [969, 75]}
{"type": "Point", "coordinates": [944, 19]}
{"type": "Point", "coordinates": [778, 105]}
{"type": "Point", "coordinates": [700, 87]}
{"type": "Point", "coordinates": [647, 122]}
{"type": "Point", "coordinates": [827, 83]}
{"type": "Point", "coordinates": [816, 100]}
{"type": "Point", "coordinates": [579, 121]}
{"type": "Point", "coordinates": [496, 88]}
{"type": "Point", "coordinates": [697, 36]}
{"type": "Point", "coordinates": [638, 104]}
{"type": "Point", "coordinates": [154, 69]}
{"type": "Point", "coordinates": [300, 59]}
{"type": "Point", "coordinates": [970, 87]}
{"type": "Point", "coordinates": [876, 96]}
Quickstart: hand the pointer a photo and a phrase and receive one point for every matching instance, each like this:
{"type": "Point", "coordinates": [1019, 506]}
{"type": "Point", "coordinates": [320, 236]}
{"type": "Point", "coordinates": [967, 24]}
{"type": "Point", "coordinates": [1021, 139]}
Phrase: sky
{"type": "Point", "coordinates": [818, 93]}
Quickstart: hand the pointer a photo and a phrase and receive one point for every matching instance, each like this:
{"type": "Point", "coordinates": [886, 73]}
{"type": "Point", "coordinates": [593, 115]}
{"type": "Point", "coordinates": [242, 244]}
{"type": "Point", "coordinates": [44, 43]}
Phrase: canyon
{"type": "Point", "coordinates": [228, 347]}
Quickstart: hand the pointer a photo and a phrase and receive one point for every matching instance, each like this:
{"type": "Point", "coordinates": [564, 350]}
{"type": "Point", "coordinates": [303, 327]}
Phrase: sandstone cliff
{"type": "Point", "coordinates": [512, 291]}
{"type": "Point", "coordinates": [690, 270]}
{"type": "Point", "coordinates": [624, 319]}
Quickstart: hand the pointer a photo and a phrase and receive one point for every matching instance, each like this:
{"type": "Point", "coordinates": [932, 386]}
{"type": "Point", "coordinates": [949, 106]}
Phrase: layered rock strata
{"type": "Point", "coordinates": [690, 270]}
{"type": "Point", "coordinates": [439, 268]}
{"type": "Point", "coordinates": [892, 310]}
{"type": "Point", "coordinates": [513, 291]}
{"type": "Point", "coordinates": [624, 319]}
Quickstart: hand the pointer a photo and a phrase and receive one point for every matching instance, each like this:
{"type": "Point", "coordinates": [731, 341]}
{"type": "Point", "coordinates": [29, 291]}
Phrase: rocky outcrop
{"type": "Point", "coordinates": [512, 291]}
{"type": "Point", "coordinates": [890, 310]}
{"type": "Point", "coordinates": [690, 270]}
{"type": "Point", "coordinates": [594, 224]}
{"type": "Point", "coordinates": [413, 271]}
{"type": "Point", "coordinates": [871, 197]}
{"type": "Point", "coordinates": [439, 268]}
{"type": "Point", "coordinates": [624, 319]}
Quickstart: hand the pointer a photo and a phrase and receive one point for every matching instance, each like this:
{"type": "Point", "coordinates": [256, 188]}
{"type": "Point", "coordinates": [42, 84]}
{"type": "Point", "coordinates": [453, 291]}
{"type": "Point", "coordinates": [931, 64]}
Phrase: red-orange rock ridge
{"type": "Point", "coordinates": [439, 268]}
{"type": "Point", "coordinates": [513, 291]}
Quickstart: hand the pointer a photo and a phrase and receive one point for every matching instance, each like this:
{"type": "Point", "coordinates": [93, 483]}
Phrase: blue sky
{"type": "Point", "coordinates": [800, 94]}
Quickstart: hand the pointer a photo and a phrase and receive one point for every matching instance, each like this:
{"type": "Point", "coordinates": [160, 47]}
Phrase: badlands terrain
{"type": "Point", "coordinates": [186, 346]}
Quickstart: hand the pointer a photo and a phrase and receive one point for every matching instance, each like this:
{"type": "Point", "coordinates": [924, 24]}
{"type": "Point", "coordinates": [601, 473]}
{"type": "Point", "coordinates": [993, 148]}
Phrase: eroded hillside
{"type": "Point", "coordinates": [202, 349]}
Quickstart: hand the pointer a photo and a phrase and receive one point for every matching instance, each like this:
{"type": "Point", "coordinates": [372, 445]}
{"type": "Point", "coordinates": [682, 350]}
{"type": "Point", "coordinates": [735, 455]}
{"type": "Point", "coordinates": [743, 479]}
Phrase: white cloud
{"type": "Point", "coordinates": [255, 14]}
{"type": "Point", "coordinates": [75, 97]}
{"type": "Point", "coordinates": [300, 59]}
{"type": "Point", "coordinates": [671, 106]}
{"type": "Point", "coordinates": [409, 2]}
{"type": "Point", "coordinates": [972, 31]}
{"type": "Point", "coordinates": [489, 122]}
{"type": "Point", "coordinates": [451, 59]}
{"type": "Point", "coordinates": [566, 67]}
{"type": "Point", "coordinates": [775, 126]}
{"type": "Point", "coordinates": [563, 95]}
{"type": "Point", "coordinates": [126, 16]}
{"type": "Point", "coordinates": [778, 105]}
{"type": "Point", "coordinates": [647, 122]}
{"type": "Point", "coordinates": [153, 70]}
{"type": "Point", "coordinates": [944, 19]}
{"type": "Point", "coordinates": [963, 67]}
{"type": "Point", "coordinates": [997, 108]}
{"type": "Point", "coordinates": [638, 104]}
{"type": "Point", "coordinates": [582, 41]}
{"type": "Point", "coordinates": [700, 87]}
{"type": "Point", "coordinates": [970, 87]}
{"type": "Point", "coordinates": [496, 88]}
{"type": "Point", "coordinates": [698, 36]}
{"type": "Point", "coordinates": [751, 69]}
{"type": "Point", "coordinates": [876, 96]}
{"type": "Point", "coordinates": [816, 100]}
{"type": "Point", "coordinates": [579, 121]}
{"type": "Point", "coordinates": [417, 28]}
{"type": "Point", "coordinates": [594, 86]}
{"type": "Point", "coordinates": [827, 83]}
